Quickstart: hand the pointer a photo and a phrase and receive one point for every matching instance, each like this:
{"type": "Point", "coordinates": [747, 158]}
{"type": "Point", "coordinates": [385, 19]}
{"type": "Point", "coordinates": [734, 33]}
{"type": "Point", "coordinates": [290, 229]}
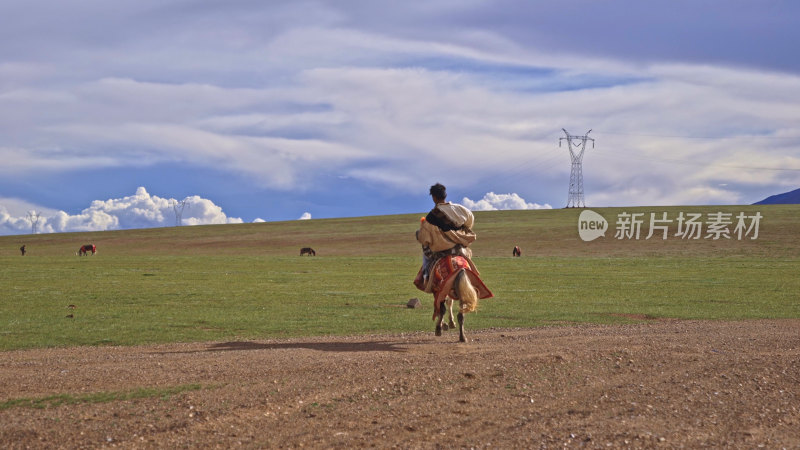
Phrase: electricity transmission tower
{"type": "Point", "coordinates": [577, 145]}
{"type": "Point", "coordinates": [34, 217]}
{"type": "Point", "coordinates": [178, 207]}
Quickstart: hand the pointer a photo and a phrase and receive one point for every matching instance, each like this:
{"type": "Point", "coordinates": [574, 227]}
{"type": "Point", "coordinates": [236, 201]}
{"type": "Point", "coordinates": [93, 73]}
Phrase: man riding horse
{"type": "Point", "coordinates": [447, 229]}
{"type": "Point", "coordinates": [445, 235]}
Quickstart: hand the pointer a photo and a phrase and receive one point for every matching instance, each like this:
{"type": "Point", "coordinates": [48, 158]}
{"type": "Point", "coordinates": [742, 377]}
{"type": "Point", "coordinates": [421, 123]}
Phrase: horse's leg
{"type": "Point", "coordinates": [449, 302]}
{"type": "Point", "coordinates": [442, 308]}
{"type": "Point", "coordinates": [461, 337]}
{"type": "Point", "coordinates": [451, 323]}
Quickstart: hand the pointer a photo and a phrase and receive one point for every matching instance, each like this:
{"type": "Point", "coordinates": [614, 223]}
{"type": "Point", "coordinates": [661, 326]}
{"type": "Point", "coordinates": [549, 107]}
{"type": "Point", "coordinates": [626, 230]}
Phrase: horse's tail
{"type": "Point", "coordinates": [467, 294]}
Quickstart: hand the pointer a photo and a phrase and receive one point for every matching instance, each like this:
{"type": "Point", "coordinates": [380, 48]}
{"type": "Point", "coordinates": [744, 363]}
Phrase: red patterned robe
{"type": "Point", "coordinates": [443, 274]}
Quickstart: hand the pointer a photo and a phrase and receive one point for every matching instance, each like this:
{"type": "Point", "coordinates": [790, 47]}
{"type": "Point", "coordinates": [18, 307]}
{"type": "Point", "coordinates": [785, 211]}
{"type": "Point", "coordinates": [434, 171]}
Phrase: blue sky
{"type": "Point", "coordinates": [252, 110]}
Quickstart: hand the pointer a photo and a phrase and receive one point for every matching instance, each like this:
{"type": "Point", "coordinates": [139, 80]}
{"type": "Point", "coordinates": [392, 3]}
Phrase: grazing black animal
{"type": "Point", "coordinates": [307, 251]}
{"type": "Point", "coordinates": [22, 250]}
{"type": "Point", "coordinates": [517, 251]}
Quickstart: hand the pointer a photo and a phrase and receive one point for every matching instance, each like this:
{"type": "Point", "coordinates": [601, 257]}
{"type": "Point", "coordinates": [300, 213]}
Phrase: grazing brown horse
{"type": "Point", "coordinates": [85, 249]}
{"type": "Point", "coordinates": [307, 251]}
{"type": "Point", "coordinates": [517, 251]}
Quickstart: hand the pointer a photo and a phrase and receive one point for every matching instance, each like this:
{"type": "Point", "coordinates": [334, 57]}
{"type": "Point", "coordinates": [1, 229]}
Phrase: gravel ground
{"type": "Point", "coordinates": [669, 384]}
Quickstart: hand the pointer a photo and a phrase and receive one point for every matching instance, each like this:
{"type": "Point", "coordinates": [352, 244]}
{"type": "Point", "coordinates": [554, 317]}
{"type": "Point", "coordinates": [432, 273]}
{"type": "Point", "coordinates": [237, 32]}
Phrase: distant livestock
{"type": "Point", "coordinates": [85, 249]}
{"type": "Point", "coordinates": [307, 251]}
{"type": "Point", "coordinates": [22, 250]}
{"type": "Point", "coordinates": [517, 251]}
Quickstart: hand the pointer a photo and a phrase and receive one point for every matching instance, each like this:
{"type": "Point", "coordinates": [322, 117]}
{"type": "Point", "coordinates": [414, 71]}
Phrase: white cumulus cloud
{"type": "Point", "coordinates": [494, 202]}
{"type": "Point", "coordinates": [305, 216]}
{"type": "Point", "coordinates": [13, 224]}
{"type": "Point", "coordinates": [140, 210]}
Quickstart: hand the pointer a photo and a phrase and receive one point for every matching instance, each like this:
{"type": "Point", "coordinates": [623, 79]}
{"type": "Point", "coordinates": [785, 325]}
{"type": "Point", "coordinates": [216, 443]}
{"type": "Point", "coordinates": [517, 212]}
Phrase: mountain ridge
{"type": "Point", "coordinates": [787, 198]}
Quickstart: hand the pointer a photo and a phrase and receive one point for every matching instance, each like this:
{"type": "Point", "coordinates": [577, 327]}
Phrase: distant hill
{"type": "Point", "coordinates": [539, 233]}
{"type": "Point", "coordinates": [787, 198]}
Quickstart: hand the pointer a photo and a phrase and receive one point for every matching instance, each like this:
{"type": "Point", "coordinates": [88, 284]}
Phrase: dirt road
{"type": "Point", "coordinates": [657, 384]}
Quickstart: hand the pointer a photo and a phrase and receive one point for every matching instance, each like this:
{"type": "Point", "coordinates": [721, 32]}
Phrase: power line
{"type": "Point", "coordinates": [576, 146]}
{"type": "Point", "coordinates": [178, 207]}
{"type": "Point", "coordinates": [34, 217]}
{"type": "Point", "coordinates": [695, 163]}
{"type": "Point", "coordinates": [677, 136]}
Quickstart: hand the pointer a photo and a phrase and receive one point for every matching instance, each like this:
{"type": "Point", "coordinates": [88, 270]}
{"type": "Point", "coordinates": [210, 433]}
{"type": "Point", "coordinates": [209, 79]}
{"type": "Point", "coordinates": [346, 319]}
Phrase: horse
{"type": "Point", "coordinates": [22, 250]}
{"type": "Point", "coordinates": [455, 279]}
{"type": "Point", "coordinates": [467, 297]}
{"type": "Point", "coordinates": [517, 251]}
{"type": "Point", "coordinates": [87, 248]}
{"type": "Point", "coordinates": [307, 251]}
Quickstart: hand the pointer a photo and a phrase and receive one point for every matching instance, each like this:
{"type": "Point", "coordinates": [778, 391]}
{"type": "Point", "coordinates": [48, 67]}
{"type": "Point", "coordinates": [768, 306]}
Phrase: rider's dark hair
{"type": "Point", "coordinates": [439, 191]}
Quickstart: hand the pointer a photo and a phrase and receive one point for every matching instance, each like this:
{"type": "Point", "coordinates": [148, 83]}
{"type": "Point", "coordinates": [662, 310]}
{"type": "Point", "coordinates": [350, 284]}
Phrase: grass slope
{"type": "Point", "coordinates": [248, 281]}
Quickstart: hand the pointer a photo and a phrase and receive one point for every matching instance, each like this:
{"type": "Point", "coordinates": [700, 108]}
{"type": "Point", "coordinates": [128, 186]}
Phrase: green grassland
{"type": "Point", "coordinates": [247, 281]}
